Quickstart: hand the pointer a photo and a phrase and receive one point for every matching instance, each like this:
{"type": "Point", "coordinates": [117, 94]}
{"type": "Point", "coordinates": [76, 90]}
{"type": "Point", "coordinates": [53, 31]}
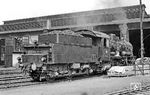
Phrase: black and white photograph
{"type": "Point", "coordinates": [74, 47]}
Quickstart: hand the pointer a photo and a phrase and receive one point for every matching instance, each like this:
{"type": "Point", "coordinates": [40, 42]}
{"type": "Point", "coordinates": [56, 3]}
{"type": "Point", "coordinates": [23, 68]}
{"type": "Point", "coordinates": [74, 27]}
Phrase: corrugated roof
{"type": "Point", "coordinates": [77, 19]}
{"type": "Point", "coordinates": [131, 12]}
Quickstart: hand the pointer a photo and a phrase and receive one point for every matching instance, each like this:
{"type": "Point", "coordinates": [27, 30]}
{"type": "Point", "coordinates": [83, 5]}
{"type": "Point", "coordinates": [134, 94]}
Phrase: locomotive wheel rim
{"type": "Point", "coordinates": [87, 71]}
{"type": "Point", "coordinates": [35, 78]}
{"type": "Point", "coordinates": [49, 78]}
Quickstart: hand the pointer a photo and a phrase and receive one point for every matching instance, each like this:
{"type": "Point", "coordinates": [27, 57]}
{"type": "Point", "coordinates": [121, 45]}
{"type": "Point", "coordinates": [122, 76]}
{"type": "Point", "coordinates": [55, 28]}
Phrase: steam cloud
{"type": "Point", "coordinates": [109, 3]}
{"type": "Point", "coordinates": [118, 13]}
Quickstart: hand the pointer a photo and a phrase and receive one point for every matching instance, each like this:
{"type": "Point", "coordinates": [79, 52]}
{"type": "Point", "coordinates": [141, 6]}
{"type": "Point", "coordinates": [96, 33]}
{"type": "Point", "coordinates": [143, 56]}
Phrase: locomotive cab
{"type": "Point", "coordinates": [100, 40]}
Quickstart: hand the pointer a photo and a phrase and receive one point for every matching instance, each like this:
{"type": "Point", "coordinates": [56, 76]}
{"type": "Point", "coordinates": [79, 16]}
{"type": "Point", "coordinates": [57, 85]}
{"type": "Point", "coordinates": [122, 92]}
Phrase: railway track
{"type": "Point", "coordinates": [11, 77]}
{"type": "Point", "coordinates": [21, 81]}
{"type": "Point", "coordinates": [129, 91]}
{"type": "Point", "coordinates": [9, 72]}
{"type": "Point", "coordinates": [16, 84]}
{"type": "Point", "coordinates": [10, 82]}
{"type": "Point", "coordinates": [16, 81]}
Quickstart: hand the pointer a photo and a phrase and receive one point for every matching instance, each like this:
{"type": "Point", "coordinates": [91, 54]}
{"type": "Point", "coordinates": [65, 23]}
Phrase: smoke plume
{"type": "Point", "coordinates": [118, 13]}
{"type": "Point", "coordinates": [109, 3]}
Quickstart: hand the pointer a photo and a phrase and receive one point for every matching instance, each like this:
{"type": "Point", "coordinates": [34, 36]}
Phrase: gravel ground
{"type": "Point", "coordinates": [89, 86]}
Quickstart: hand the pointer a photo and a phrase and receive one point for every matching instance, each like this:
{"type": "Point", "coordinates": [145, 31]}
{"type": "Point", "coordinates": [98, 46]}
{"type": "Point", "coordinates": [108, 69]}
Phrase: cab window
{"type": "Point", "coordinates": [106, 42]}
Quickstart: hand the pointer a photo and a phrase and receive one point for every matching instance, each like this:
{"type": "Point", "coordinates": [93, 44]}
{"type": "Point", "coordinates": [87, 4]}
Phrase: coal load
{"type": "Point", "coordinates": [64, 37]}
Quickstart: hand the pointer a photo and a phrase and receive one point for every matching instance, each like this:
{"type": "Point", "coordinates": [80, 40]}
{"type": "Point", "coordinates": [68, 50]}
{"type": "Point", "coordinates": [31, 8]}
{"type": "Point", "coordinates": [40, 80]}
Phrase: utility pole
{"type": "Point", "coordinates": [141, 31]}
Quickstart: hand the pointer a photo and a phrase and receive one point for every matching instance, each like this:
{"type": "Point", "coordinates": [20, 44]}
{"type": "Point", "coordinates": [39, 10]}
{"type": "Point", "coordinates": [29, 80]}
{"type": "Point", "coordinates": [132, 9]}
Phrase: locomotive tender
{"type": "Point", "coordinates": [65, 53]}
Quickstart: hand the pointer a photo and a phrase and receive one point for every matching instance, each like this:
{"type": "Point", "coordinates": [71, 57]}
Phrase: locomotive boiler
{"type": "Point", "coordinates": [121, 51]}
{"type": "Point", "coordinates": [67, 53]}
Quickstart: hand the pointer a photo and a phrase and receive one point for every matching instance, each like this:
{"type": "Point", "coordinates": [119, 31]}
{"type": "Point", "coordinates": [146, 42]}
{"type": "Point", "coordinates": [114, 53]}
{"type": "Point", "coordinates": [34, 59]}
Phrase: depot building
{"type": "Point", "coordinates": [120, 21]}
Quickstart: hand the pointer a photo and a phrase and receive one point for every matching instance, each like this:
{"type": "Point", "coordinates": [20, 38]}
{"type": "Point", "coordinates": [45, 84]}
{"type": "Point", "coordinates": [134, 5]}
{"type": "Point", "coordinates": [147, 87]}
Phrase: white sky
{"type": "Point", "coordinates": [18, 9]}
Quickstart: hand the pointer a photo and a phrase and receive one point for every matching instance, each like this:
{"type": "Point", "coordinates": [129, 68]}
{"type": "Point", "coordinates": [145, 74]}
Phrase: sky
{"type": "Point", "coordinates": [19, 9]}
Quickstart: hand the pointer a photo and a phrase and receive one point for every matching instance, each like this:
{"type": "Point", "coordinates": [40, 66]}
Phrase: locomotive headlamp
{"type": "Point", "coordinates": [33, 66]}
{"type": "Point", "coordinates": [43, 59]}
{"type": "Point", "coordinates": [123, 52]}
{"type": "Point", "coordinates": [106, 51]}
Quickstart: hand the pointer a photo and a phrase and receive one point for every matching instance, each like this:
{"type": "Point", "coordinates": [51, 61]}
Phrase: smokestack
{"type": "Point", "coordinates": [124, 31]}
{"type": "Point", "coordinates": [118, 13]}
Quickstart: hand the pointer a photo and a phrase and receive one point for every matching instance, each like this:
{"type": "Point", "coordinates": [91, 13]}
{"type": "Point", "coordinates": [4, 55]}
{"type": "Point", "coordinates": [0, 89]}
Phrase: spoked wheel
{"type": "Point", "coordinates": [49, 79]}
{"type": "Point", "coordinates": [26, 73]}
{"type": "Point", "coordinates": [35, 78]}
{"type": "Point", "coordinates": [25, 70]}
{"type": "Point", "coordinates": [87, 71]}
{"type": "Point", "coordinates": [69, 77]}
{"type": "Point", "coordinates": [40, 78]}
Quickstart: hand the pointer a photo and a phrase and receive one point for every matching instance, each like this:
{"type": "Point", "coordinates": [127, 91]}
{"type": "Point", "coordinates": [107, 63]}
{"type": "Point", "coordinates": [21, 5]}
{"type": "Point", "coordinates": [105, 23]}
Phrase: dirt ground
{"type": "Point", "coordinates": [89, 86]}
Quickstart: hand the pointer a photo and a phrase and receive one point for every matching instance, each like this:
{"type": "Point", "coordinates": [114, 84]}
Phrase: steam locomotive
{"type": "Point", "coordinates": [67, 53]}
